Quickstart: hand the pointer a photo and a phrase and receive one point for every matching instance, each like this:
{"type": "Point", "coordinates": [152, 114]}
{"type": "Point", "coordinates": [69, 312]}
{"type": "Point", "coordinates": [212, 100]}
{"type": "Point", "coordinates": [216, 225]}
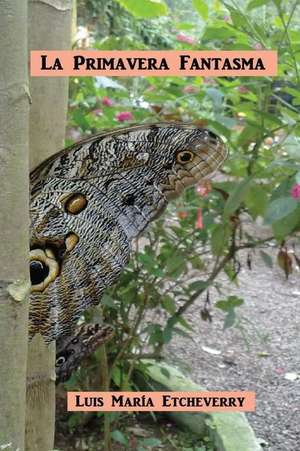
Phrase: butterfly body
{"type": "Point", "coordinates": [89, 201]}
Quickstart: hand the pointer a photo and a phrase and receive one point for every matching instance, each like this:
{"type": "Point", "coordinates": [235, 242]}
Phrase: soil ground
{"type": "Point", "coordinates": [272, 304]}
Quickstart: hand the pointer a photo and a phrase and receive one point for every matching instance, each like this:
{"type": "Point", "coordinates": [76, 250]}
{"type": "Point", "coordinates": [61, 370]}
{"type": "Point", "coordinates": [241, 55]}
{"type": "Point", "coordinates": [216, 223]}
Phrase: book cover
{"type": "Point", "coordinates": [150, 217]}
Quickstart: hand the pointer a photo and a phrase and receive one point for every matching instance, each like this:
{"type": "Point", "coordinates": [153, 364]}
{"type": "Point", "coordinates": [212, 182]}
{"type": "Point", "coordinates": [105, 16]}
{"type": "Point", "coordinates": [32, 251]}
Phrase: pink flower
{"type": "Point", "coordinates": [209, 81]}
{"type": "Point", "coordinates": [199, 220]}
{"type": "Point", "coordinates": [202, 189]}
{"type": "Point", "coordinates": [226, 18]}
{"type": "Point", "coordinates": [269, 141]}
{"type": "Point", "coordinates": [181, 37]}
{"type": "Point", "coordinates": [73, 133]}
{"type": "Point", "coordinates": [190, 89]}
{"type": "Point", "coordinates": [258, 46]}
{"type": "Point", "coordinates": [98, 112]}
{"type": "Point", "coordinates": [124, 116]}
{"type": "Point", "coordinates": [107, 101]}
{"type": "Point", "coordinates": [242, 89]}
{"type": "Point", "coordinates": [295, 191]}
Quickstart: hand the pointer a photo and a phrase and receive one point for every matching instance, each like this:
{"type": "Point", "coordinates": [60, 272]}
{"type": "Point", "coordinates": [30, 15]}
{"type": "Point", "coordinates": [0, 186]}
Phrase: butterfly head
{"type": "Point", "coordinates": [197, 154]}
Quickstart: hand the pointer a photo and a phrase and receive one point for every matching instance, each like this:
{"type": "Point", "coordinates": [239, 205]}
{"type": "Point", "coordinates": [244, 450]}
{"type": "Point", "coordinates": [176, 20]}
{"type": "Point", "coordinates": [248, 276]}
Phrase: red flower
{"type": "Point", "coordinates": [107, 101]}
{"type": "Point", "coordinates": [181, 37]}
{"type": "Point", "coordinates": [182, 214]}
{"type": "Point", "coordinates": [203, 188]}
{"type": "Point", "coordinates": [295, 191]}
{"type": "Point", "coordinates": [199, 220]}
{"type": "Point", "coordinates": [190, 89]}
{"type": "Point", "coordinates": [124, 116]}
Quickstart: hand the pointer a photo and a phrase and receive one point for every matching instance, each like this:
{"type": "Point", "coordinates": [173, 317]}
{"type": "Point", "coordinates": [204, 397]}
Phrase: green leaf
{"type": "Point", "coordinates": [280, 208]}
{"type": "Point", "coordinates": [80, 118]}
{"type": "Point", "coordinates": [119, 437]}
{"type": "Point", "coordinates": [248, 134]}
{"type": "Point", "coordinates": [256, 200]}
{"type": "Point", "coordinates": [297, 177]}
{"type": "Point", "coordinates": [237, 196]}
{"type": "Point", "coordinates": [184, 26]}
{"type": "Point", "coordinates": [198, 285]}
{"type": "Point", "coordinates": [229, 319]}
{"type": "Point", "coordinates": [283, 189]}
{"type": "Point", "coordinates": [148, 261]}
{"type": "Point", "coordinates": [116, 376]}
{"type": "Point", "coordinates": [216, 96]}
{"type": "Point", "coordinates": [145, 9]}
{"type": "Point", "coordinates": [218, 33]}
{"type": "Point", "coordinates": [292, 145]}
{"type": "Point", "coordinates": [219, 238]}
{"type": "Point", "coordinates": [202, 8]}
{"type": "Point", "coordinates": [267, 259]}
{"type": "Point", "coordinates": [184, 323]}
{"type": "Point", "coordinates": [230, 303]}
{"type": "Point", "coordinates": [151, 442]}
{"type": "Point", "coordinates": [195, 260]}
{"type": "Point", "coordinates": [286, 225]}
{"type": "Point", "coordinates": [176, 265]}
{"type": "Point", "coordinates": [156, 335]}
{"type": "Point", "coordinates": [257, 3]}
{"type": "Point", "coordinates": [181, 332]}
{"type": "Point", "coordinates": [168, 330]}
{"type": "Point", "coordinates": [169, 305]}
{"type": "Point", "coordinates": [108, 300]}
{"type": "Point", "coordinates": [165, 372]}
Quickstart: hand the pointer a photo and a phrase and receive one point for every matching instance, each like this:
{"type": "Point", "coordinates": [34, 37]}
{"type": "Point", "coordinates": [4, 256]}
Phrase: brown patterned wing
{"type": "Point", "coordinates": [89, 201]}
{"type": "Point", "coordinates": [71, 350]}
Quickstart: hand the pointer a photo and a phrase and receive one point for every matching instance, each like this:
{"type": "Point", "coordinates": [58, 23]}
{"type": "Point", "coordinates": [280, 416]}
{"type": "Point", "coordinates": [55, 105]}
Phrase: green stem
{"type": "Point", "coordinates": [104, 386]}
{"type": "Point", "coordinates": [287, 36]}
{"type": "Point", "coordinates": [218, 268]}
{"type": "Point", "coordinates": [126, 344]}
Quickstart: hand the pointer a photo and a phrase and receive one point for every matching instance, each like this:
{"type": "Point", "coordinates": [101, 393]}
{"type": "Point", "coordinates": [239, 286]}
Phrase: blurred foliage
{"type": "Point", "coordinates": [203, 233]}
{"type": "Point", "coordinates": [113, 27]}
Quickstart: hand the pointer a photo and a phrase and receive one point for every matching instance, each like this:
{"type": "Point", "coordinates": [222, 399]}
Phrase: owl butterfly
{"type": "Point", "coordinates": [70, 351]}
{"type": "Point", "coordinates": [89, 201]}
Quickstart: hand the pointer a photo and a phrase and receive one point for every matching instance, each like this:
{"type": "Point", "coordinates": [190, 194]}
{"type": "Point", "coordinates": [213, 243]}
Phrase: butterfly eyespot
{"type": "Point", "coordinates": [75, 204]}
{"type": "Point", "coordinates": [38, 272]}
{"type": "Point", "coordinates": [71, 241]}
{"type": "Point", "coordinates": [60, 361]}
{"type": "Point", "coordinates": [184, 156]}
{"type": "Point", "coordinates": [75, 341]}
{"type": "Point", "coordinates": [43, 268]}
{"type": "Point", "coordinates": [107, 189]}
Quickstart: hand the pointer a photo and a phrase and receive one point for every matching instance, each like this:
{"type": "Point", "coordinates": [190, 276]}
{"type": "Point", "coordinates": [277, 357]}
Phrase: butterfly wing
{"type": "Point", "coordinates": [89, 201]}
{"type": "Point", "coordinates": [71, 350]}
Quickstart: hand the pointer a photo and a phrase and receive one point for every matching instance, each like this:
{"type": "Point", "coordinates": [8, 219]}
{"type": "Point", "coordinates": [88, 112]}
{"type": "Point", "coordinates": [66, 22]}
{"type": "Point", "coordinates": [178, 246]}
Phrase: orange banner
{"type": "Point", "coordinates": [157, 63]}
{"type": "Point", "coordinates": [221, 401]}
